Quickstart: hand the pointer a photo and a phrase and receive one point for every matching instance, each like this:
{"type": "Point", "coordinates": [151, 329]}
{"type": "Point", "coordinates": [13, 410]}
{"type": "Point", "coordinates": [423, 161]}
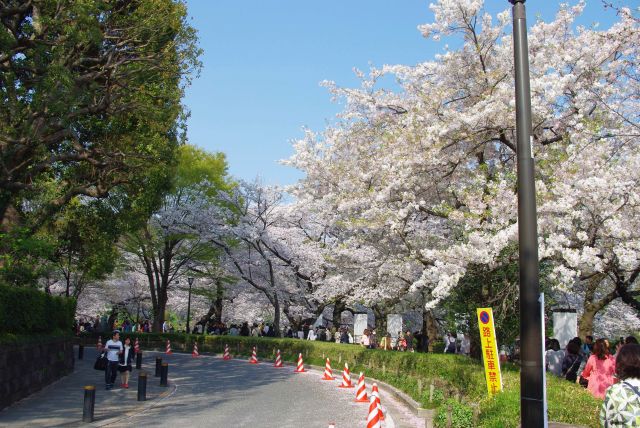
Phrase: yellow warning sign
{"type": "Point", "coordinates": [489, 346]}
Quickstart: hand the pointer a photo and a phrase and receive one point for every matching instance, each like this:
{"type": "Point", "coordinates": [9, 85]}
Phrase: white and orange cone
{"type": "Point", "coordinates": [328, 373]}
{"type": "Point", "coordinates": [300, 366]}
{"type": "Point", "coordinates": [278, 362]}
{"type": "Point", "coordinates": [195, 352]}
{"type": "Point", "coordinates": [346, 378]}
{"type": "Point", "coordinates": [361, 394]}
{"type": "Point", "coordinates": [226, 355]}
{"type": "Point", "coordinates": [254, 356]}
{"type": "Point", "coordinates": [136, 346]}
{"type": "Point", "coordinates": [376, 394]}
{"type": "Point", "coordinates": [99, 344]}
{"type": "Point", "coordinates": [373, 420]}
{"type": "Point", "coordinates": [168, 351]}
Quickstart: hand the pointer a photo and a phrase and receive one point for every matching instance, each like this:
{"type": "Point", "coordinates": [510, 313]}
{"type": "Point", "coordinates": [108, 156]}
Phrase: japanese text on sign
{"type": "Point", "coordinates": [489, 347]}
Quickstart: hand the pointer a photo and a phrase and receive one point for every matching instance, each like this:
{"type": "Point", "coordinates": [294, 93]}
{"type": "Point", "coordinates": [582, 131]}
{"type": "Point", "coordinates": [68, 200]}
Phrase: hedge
{"type": "Point", "coordinates": [459, 383]}
{"type": "Point", "coordinates": [25, 311]}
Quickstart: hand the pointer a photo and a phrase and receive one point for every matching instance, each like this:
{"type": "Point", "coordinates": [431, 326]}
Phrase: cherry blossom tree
{"type": "Point", "coordinates": [423, 179]}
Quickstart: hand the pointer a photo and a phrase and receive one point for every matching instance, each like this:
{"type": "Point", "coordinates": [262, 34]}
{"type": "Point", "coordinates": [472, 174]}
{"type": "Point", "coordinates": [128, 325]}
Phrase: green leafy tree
{"type": "Point", "coordinates": [90, 109]}
{"type": "Point", "coordinates": [168, 245]}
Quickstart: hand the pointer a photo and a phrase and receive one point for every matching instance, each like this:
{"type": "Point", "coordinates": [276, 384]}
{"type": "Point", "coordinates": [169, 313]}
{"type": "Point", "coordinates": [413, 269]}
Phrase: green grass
{"type": "Point", "coordinates": [453, 376]}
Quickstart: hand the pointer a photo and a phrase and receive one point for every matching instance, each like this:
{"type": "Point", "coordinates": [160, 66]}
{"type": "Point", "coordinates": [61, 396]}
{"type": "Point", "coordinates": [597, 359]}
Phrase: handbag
{"type": "Point", "coordinates": [572, 374]}
{"type": "Point", "coordinates": [101, 362]}
{"type": "Point", "coordinates": [584, 382]}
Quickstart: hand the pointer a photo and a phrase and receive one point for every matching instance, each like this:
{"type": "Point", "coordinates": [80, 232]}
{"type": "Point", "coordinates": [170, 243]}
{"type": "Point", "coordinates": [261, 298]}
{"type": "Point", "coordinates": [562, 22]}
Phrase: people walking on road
{"type": "Point", "coordinates": [114, 348]}
{"type": "Point", "coordinates": [621, 405]}
{"type": "Point", "coordinates": [600, 369]}
{"type": "Point", "coordinates": [124, 362]}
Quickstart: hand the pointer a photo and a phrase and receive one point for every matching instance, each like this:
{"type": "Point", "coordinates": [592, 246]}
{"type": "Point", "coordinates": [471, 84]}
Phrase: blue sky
{"type": "Point", "coordinates": [263, 61]}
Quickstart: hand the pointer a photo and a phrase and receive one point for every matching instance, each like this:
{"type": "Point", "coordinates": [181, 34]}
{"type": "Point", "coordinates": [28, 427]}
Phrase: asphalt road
{"type": "Point", "coordinates": [202, 392]}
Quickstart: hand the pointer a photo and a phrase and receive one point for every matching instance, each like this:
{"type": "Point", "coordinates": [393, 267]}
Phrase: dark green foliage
{"type": "Point", "coordinates": [460, 415]}
{"type": "Point", "coordinates": [29, 311]}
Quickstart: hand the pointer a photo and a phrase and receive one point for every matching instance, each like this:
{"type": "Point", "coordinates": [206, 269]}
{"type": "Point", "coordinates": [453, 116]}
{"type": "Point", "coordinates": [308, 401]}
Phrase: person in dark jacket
{"type": "Point", "coordinates": [244, 330]}
{"type": "Point", "coordinates": [572, 359]}
{"type": "Point", "coordinates": [124, 362]}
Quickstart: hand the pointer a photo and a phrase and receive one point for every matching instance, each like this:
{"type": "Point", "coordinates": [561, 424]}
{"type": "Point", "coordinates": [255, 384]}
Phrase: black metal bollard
{"type": "Point", "coordinates": [142, 386]}
{"type": "Point", "coordinates": [89, 403]}
{"type": "Point", "coordinates": [164, 374]}
{"type": "Point", "coordinates": [158, 366]}
{"type": "Point", "coordinates": [139, 360]}
{"type": "Point", "coordinates": [80, 352]}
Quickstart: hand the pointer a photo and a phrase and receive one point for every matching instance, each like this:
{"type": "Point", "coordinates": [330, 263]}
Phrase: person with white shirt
{"type": "Point", "coordinates": [553, 357]}
{"type": "Point", "coordinates": [113, 348]}
{"type": "Point", "coordinates": [465, 345]}
{"type": "Point", "coordinates": [311, 335]}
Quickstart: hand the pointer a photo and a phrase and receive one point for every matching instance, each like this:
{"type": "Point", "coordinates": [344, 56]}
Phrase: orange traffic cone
{"type": "Point", "coordinates": [226, 355]}
{"type": "Point", "coordinates": [195, 353]}
{"type": "Point", "coordinates": [278, 362]}
{"type": "Point", "coordinates": [254, 356]}
{"type": "Point", "coordinates": [136, 346]}
{"type": "Point", "coordinates": [373, 420]}
{"type": "Point", "coordinates": [361, 394]}
{"type": "Point", "coordinates": [328, 373]}
{"type": "Point", "coordinates": [300, 366]}
{"type": "Point", "coordinates": [346, 378]}
{"type": "Point", "coordinates": [376, 394]}
{"type": "Point", "coordinates": [168, 351]}
{"type": "Point", "coordinates": [99, 345]}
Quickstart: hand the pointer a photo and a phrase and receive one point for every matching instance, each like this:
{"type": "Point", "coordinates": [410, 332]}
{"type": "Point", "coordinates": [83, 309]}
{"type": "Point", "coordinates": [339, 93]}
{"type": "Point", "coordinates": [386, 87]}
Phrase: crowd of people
{"type": "Point", "coordinates": [609, 372]}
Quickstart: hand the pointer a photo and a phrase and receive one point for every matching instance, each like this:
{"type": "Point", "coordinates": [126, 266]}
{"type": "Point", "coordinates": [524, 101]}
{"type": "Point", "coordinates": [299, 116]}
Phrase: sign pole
{"type": "Point", "coordinates": [531, 373]}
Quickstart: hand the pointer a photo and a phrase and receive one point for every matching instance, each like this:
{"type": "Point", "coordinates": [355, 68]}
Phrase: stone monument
{"type": "Point", "coordinates": [394, 326]}
{"type": "Point", "coordinates": [565, 325]}
{"type": "Point", "coordinates": [360, 322]}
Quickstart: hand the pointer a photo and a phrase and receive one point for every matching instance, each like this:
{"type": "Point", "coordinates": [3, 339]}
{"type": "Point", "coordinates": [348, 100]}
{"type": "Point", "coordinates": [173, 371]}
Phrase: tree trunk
{"type": "Point", "coordinates": [381, 320]}
{"type": "Point", "coordinates": [585, 323]}
{"type": "Point", "coordinates": [276, 315]}
{"type": "Point", "coordinates": [158, 315]}
{"type": "Point", "coordinates": [592, 305]}
{"type": "Point", "coordinates": [429, 327]}
{"type": "Point", "coordinates": [338, 307]}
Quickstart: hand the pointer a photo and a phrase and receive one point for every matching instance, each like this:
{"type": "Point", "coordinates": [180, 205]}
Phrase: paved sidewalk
{"type": "Point", "coordinates": [60, 404]}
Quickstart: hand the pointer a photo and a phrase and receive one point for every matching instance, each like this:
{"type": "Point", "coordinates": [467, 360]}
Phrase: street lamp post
{"type": "Point", "coordinates": [190, 280]}
{"type": "Point", "coordinates": [532, 409]}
